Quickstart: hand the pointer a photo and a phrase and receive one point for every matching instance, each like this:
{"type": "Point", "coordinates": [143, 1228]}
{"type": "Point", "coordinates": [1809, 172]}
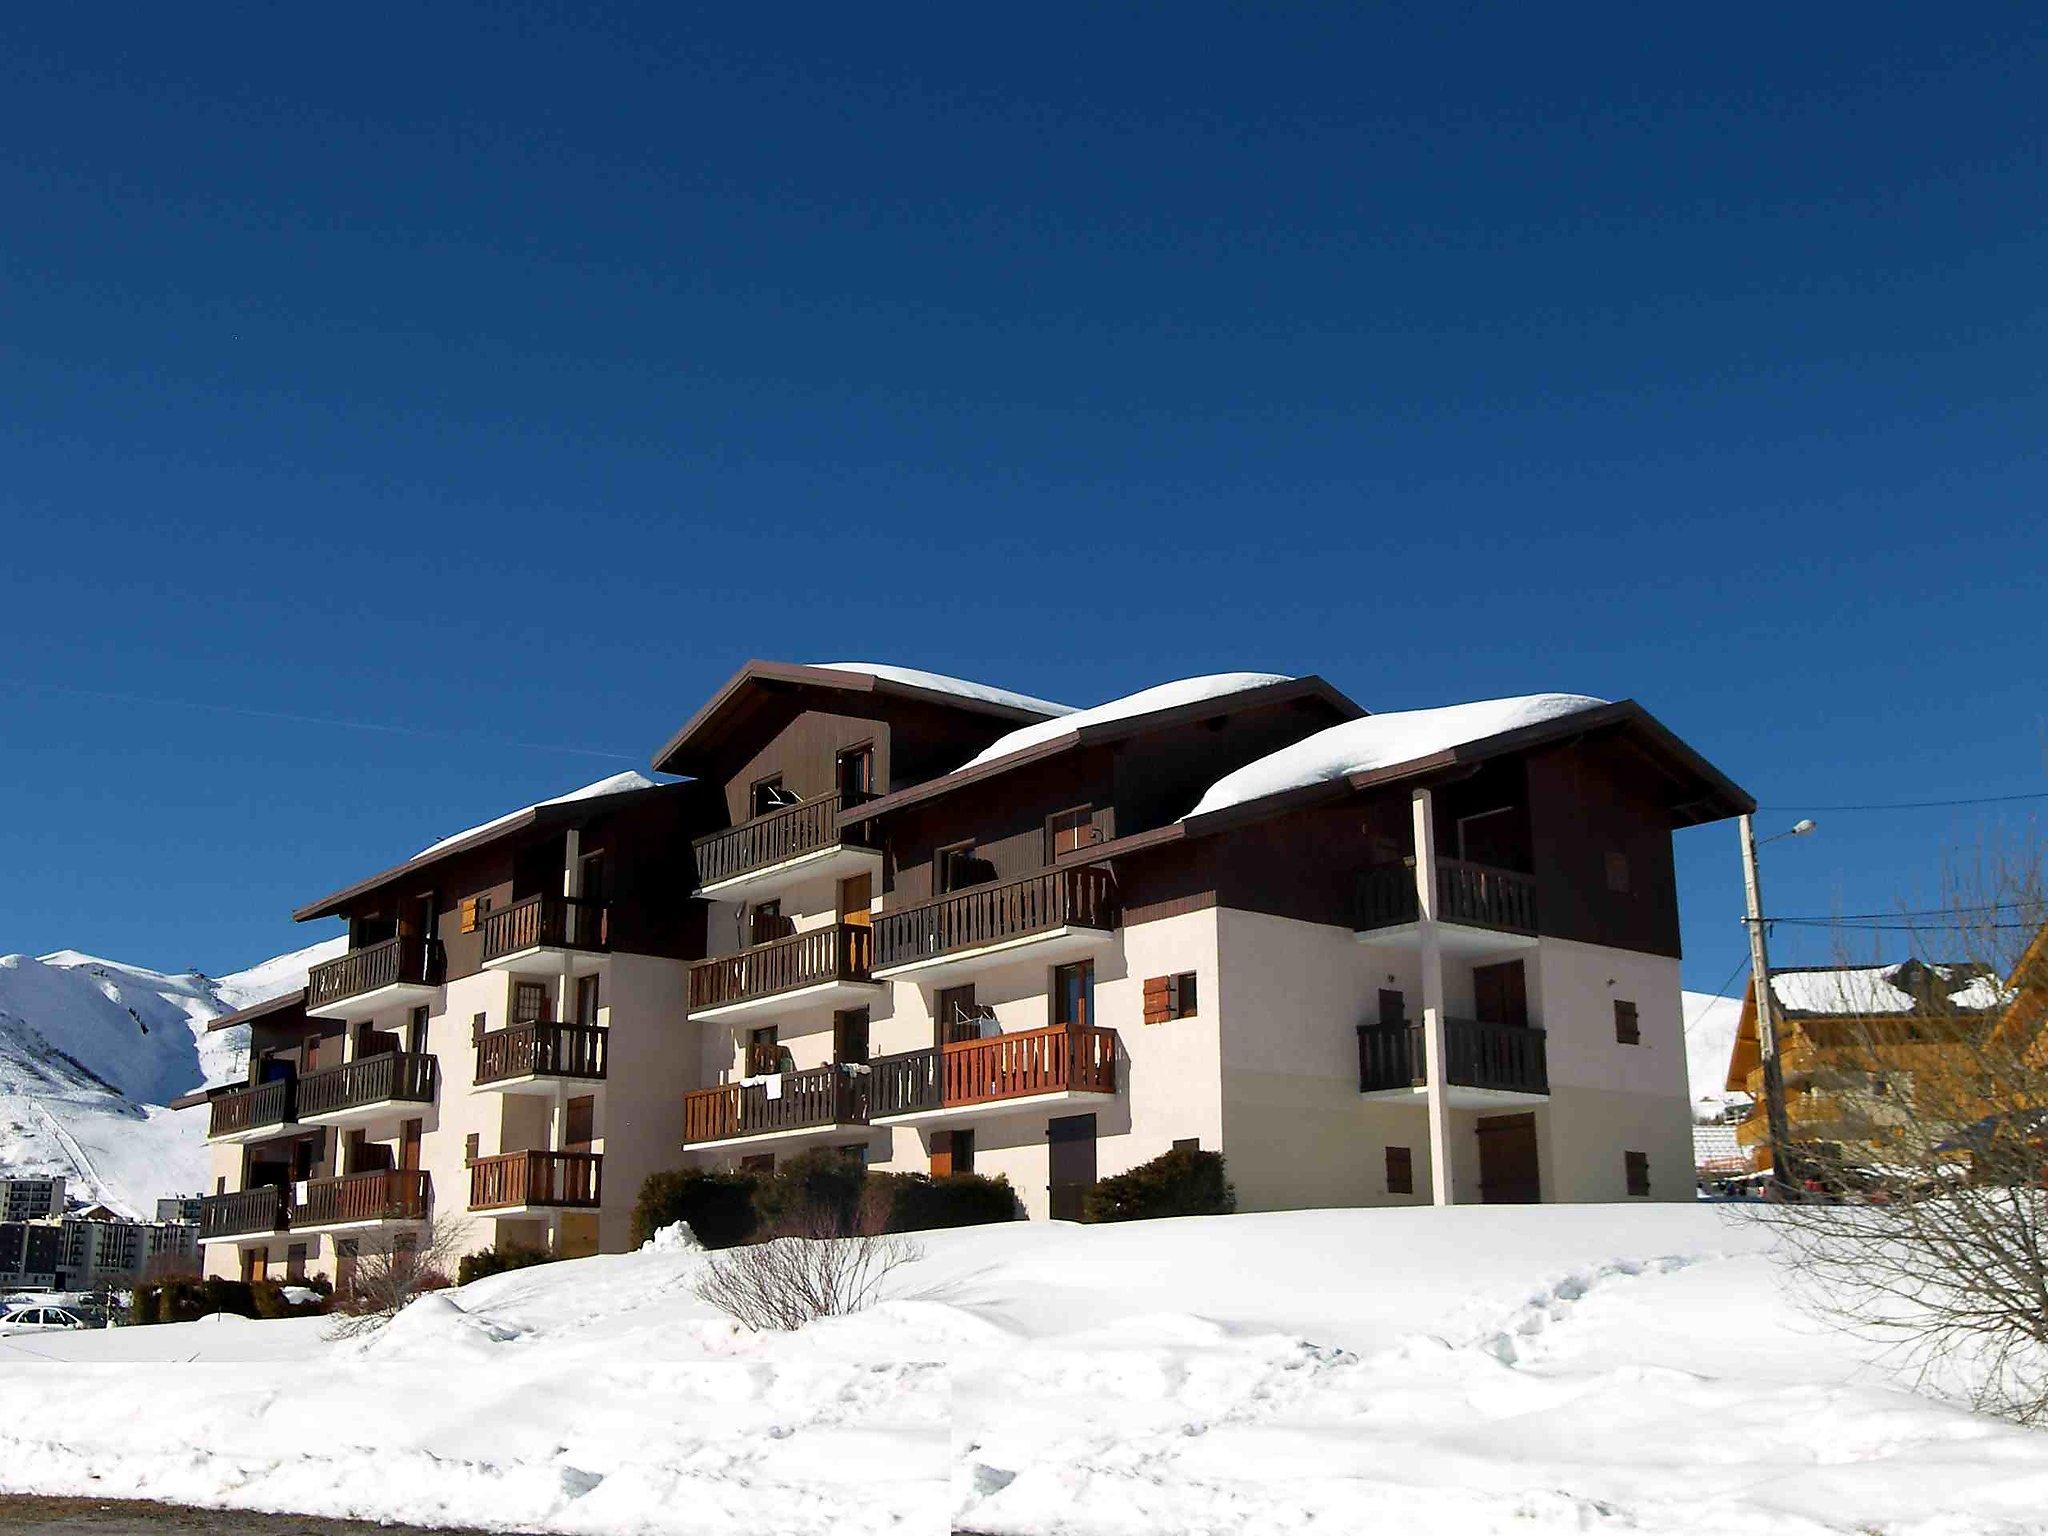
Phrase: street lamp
{"type": "Point", "coordinates": [1760, 988]}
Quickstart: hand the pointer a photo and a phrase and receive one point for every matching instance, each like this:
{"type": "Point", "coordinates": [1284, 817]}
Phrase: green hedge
{"type": "Point", "coordinates": [1182, 1182]}
{"type": "Point", "coordinates": [718, 1206]}
{"type": "Point", "coordinates": [187, 1300]}
{"type": "Point", "coordinates": [496, 1261]}
{"type": "Point", "coordinates": [918, 1203]}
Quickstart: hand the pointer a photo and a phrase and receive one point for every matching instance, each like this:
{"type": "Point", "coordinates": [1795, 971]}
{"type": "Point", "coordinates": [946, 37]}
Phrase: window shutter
{"type": "Point", "coordinates": [1400, 1171]}
{"type": "Point", "coordinates": [471, 1147]}
{"type": "Point", "coordinates": [1627, 1027]}
{"type": "Point", "coordinates": [1636, 1165]}
{"type": "Point", "coordinates": [1158, 999]}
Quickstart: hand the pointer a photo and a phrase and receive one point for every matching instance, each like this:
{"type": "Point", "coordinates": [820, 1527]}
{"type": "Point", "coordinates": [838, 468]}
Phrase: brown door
{"type": "Point", "coordinates": [1070, 1163]}
{"type": "Point", "coordinates": [252, 1264]}
{"type": "Point", "coordinates": [1507, 1161]}
{"type": "Point", "coordinates": [953, 1011]}
{"type": "Point", "coordinates": [582, 1124]}
{"type": "Point", "coordinates": [409, 1146]}
{"type": "Point", "coordinates": [1499, 995]}
{"type": "Point", "coordinates": [345, 1250]}
{"type": "Point", "coordinates": [1073, 994]}
{"type": "Point", "coordinates": [766, 925]}
{"type": "Point", "coordinates": [855, 892]}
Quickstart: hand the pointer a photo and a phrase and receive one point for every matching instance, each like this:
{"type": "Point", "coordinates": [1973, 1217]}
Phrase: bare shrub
{"type": "Point", "coordinates": [1918, 1148]}
{"type": "Point", "coordinates": [392, 1274]}
{"type": "Point", "coordinates": [824, 1260]}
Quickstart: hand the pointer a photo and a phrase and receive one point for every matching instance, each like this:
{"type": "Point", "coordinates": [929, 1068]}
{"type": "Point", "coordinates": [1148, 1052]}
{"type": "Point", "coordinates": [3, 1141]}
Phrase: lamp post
{"type": "Point", "coordinates": [1766, 1005]}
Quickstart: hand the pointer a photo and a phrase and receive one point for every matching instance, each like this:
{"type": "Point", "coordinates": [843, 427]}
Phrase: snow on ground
{"type": "Point", "coordinates": [1528, 1369]}
{"type": "Point", "coordinates": [1146, 701]}
{"type": "Point", "coordinates": [616, 784]}
{"type": "Point", "coordinates": [1710, 1024]}
{"type": "Point", "coordinates": [938, 682]}
{"type": "Point", "coordinates": [90, 1051]}
{"type": "Point", "coordinates": [1379, 741]}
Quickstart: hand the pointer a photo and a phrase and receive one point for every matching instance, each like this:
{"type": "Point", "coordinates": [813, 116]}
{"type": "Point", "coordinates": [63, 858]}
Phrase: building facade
{"type": "Point", "coordinates": [31, 1199]}
{"type": "Point", "coordinates": [1371, 959]}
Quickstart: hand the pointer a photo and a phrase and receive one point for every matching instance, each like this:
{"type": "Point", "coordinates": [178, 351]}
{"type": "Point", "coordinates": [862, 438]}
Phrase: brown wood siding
{"type": "Point", "coordinates": [1586, 801]}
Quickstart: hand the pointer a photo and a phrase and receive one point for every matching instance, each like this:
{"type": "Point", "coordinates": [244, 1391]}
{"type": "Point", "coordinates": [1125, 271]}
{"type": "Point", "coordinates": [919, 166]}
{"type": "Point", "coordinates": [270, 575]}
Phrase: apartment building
{"type": "Point", "coordinates": [1371, 958]}
{"type": "Point", "coordinates": [31, 1198]}
{"type": "Point", "coordinates": [30, 1255]}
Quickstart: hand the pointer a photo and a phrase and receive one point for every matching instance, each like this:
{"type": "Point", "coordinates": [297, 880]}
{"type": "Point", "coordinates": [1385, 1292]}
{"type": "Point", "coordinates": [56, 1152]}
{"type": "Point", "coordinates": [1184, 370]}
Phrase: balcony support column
{"type": "Point", "coordinates": [1441, 1186]}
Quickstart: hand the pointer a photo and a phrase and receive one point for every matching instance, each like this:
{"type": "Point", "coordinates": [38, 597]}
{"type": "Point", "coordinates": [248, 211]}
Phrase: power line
{"type": "Point", "coordinates": [1913, 805]}
{"type": "Point", "coordinates": [1720, 994]}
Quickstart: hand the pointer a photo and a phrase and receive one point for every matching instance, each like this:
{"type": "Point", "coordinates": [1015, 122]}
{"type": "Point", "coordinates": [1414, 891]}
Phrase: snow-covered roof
{"type": "Point", "coordinates": [1380, 741]}
{"type": "Point", "coordinates": [938, 682]}
{"type": "Point", "coordinates": [616, 784]}
{"type": "Point", "coordinates": [1146, 701]}
{"type": "Point", "coordinates": [1867, 991]}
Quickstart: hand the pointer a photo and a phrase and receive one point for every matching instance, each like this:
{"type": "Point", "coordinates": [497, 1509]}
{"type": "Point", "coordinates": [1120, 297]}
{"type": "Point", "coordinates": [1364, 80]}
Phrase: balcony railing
{"type": "Point", "coordinates": [394, 1076]}
{"type": "Point", "coordinates": [546, 922]}
{"type": "Point", "coordinates": [1078, 897]}
{"type": "Point", "coordinates": [1474, 895]}
{"type": "Point", "coordinates": [250, 1109]}
{"type": "Point", "coordinates": [776, 838]}
{"type": "Point", "coordinates": [819, 1096]}
{"type": "Point", "coordinates": [1507, 1058]}
{"type": "Point", "coordinates": [407, 958]}
{"type": "Point", "coordinates": [246, 1213]}
{"type": "Point", "coordinates": [541, 1050]}
{"type": "Point", "coordinates": [843, 952]}
{"type": "Point", "coordinates": [399, 1194]}
{"type": "Point", "coordinates": [1062, 1059]}
{"type": "Point", "coordinates": [570, 1180]}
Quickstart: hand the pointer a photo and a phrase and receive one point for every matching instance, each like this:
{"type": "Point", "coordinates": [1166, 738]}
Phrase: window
{"type": "Point", "coordinates": [1636, 1166]}
{"type": "Point", "coordinates": [1617, 873]}
{"type": "Point", "coordinates": [854, 772]}
{"type": "Point", "coordinates": [1400, 1171]}
{"type": "Point", "coordinates": [529, 1002]}
{"type": "Point", "coordinates": [952, 1152]}
{"type": "Point", "coordinates": [1187, 1144]}
{"type": "Point", "coordinates": [956, 1014]}
{"type": "Point", "coordinates": [1073, 994]}
{"type": "Point", "coordinates": [1393, 1006]}
{"type": "Point", "coordinates": [586, 1000]}
{"type": "Point", "coordinates": [764, 1053]}
{"type": "Point", "coordinates": [955, 868]}
{"type": "Point", "coordinates": [760, 1162]}
{"type": "Point", "coordinates": [766, 795]}
{"type": "Point", "coordinates": [1070, 832]}
{"type": "Point", "coordinates": [767, 924]}
{"type": "Point", "coordinates": [1169, 997]}
{"type": "Point", "coordinates": [1627, 1028]}
{"type": "Point", "coordinates": [850, 1036]}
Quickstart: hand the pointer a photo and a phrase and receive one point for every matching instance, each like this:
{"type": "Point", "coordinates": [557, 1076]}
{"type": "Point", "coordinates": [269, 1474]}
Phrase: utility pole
{"type": "Point", "coordinates": [1766, 1011]}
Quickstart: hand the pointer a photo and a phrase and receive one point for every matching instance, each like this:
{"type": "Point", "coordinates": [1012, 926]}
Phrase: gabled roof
{"type": "Point", "coordinates": [1151, 709]}
{"type": "Point", "coordinates": [1389, 749]}
{"type": "Point", "coordinates": [759, 683]}
{"type": "Point", "coordinates": [284, 1002]}
{"type": "Point", "coordinates": [569, 810]}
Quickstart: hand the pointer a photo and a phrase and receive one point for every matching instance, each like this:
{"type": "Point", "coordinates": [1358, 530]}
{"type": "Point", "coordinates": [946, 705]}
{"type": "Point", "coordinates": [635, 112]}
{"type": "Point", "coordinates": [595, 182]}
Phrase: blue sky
{"type": "Point", "coordinates": [503, 381]}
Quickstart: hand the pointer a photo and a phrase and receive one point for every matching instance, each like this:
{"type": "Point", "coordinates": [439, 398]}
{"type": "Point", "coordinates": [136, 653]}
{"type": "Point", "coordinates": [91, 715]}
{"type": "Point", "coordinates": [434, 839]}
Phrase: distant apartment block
{"type": "Point", "coordinates": [1373, 959]}
{"type": "Point", "coordinates": [28, 1199]}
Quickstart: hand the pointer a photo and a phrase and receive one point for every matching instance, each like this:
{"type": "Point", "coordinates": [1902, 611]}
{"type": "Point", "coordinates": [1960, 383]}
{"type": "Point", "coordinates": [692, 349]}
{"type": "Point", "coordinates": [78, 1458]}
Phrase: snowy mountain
{"type": "Point", "coordinates": [92, 1050]}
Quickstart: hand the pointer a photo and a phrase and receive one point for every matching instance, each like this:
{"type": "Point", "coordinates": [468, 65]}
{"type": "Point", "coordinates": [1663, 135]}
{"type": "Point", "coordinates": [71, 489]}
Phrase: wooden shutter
{"type": "Point", "coordinates": [472, 1148]}
{"type": "Point", "coordinates": [1158, 999]}
{"type": "Point", "coordinates": [1400, 1171]}
{"type": "Point", "coordinates": [469, 914]}
{"type": "Point", "coordinates": [1636, 1165]}
{"type": "Point", "coordinates": [582, 1124]}
{"type": "Point", "coordinates": [1627, 1027]}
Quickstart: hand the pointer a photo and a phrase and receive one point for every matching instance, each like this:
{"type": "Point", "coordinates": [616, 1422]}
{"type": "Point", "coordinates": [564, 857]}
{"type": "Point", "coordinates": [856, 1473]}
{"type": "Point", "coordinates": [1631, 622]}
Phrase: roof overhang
{"type": "Point", "coordinates": [1309, 690]}
{"type": "Point", "coordinates": [284, 1003]}
{"type": "Point", "coordinates": [760, 685]}
{"type": "Point", "coordinates": [537, 818]}
{"type": "Point", "coordinates": [1698, 792]}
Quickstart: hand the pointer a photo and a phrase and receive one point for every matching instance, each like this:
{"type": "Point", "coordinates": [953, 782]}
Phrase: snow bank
{"type": "Point", "coordinates": [1537, 1369]}
{"type": "Point", "coordinates": [1145, 701]}
{"type": "Point", "coordinates": [938, 682]}
{"type": "Point", "coordinates": [1381, 741]}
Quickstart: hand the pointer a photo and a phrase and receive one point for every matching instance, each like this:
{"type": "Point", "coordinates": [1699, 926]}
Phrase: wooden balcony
{"type": "Point", "coordinates": [1057, 914]}
{"type": "Point", "coordinates": [823, 967]}
{"type": "Point", "coordinates": [516, 1181]}
{"type": "Point", "coordinates": [1000, 1072]}
{"type": "Point", "coordinates": [249, 1113]}
{"type": "Point", "coordinates": [540, 1055]}
{"type": "Point", "coordinates": [403, 970]}
{"type": "Point", "coordinates": [1483, 1063]}
{"type": "Point", "coordinates": [1498, 901]}
{"type": "Point", "coordinates": [364, 1200]}
{"type": "Point", "coordinates": [758, 858]}
{"type": "Point", "coordinates": [367, 1089]}
{"type": "Point", "coordinates": [547, 930]}
{"type": "Point", "coordinates": [820, 1099]}
{"type": "Point", "coordinates": [257, 1212]}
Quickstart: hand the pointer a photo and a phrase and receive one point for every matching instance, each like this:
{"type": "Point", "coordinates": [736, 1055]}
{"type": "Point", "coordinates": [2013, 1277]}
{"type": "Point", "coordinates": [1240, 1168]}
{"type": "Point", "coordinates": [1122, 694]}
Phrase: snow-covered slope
{"type": "Point", "coordinates": [1709, 1039]}
{"type": "Point", "coordinates": [1540, 1370]}
{"type": "Point", "coordinates": [90, 1051]}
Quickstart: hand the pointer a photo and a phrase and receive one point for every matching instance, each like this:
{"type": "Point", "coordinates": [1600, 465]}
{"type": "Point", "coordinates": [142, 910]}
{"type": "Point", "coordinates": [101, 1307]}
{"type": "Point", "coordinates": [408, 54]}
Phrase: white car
{"type": "Point", "coordinates": [40, 1320]}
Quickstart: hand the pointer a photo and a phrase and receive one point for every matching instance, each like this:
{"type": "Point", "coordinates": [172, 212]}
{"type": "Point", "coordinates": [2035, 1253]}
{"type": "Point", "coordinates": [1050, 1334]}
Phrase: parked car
{"type": "Point", "coordinates": [40, 1320]}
